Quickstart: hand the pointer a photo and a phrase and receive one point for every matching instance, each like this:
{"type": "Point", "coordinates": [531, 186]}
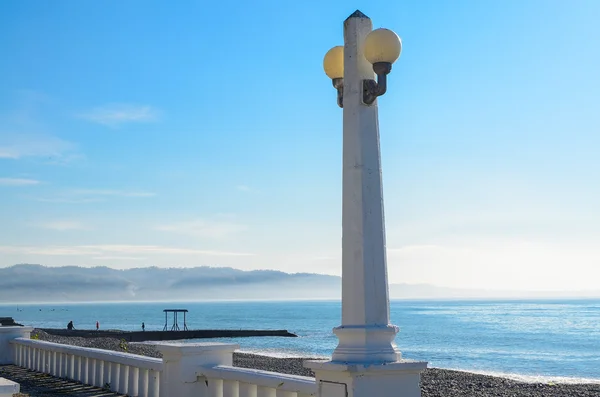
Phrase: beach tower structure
{"type": "Point", "coordinates": [175, 326]}
{"type": "Point", "coordinates": [366, 361]}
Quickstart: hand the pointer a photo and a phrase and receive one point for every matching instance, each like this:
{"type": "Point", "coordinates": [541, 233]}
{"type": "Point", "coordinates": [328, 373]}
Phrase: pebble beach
{"type": "Point", "coordinates": [434, 382]}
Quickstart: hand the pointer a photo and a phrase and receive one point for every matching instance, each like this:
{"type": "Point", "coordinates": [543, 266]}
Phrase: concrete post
{"type": "Point", "coordinates": [181, 362]}
{"type": "Point", "coordinates": [6, 335]}
{"type": "Point", "coordinates": [399, 379]}
{"type": "Point", "coordinates": [8, 388]}
{"type": "Point", "coordinates": [365, 334]}
{"type": "Point", "coordinates": [366, 362]}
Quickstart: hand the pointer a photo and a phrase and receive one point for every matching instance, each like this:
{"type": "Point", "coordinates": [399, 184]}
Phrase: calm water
{"type": "Point", "coordinates": [531, 338]}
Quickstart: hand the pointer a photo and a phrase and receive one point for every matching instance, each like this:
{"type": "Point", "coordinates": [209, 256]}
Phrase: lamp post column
{"type": "Point", "coordinates": [365, 334]}
{"type": "Point", "coordinates": [366, 362]}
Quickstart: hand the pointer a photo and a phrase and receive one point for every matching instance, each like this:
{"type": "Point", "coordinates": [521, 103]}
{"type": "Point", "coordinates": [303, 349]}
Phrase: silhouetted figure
{"type": "Point", "coordinates": [70, 326]}
{"type": "Point", "coordinates": [143, 327]}
{"type": "Point", "coordinates": [97, 325]}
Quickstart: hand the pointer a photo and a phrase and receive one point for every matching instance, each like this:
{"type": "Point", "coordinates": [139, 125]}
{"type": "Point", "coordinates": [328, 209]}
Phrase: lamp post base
{"type": "Point", "coordinates": [397, 379]}
{"type": "Point", "coordinates": [366, 344]}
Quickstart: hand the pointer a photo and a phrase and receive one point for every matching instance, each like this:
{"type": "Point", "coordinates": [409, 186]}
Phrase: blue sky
{"type": "Point", "coordinates": [191, 133]}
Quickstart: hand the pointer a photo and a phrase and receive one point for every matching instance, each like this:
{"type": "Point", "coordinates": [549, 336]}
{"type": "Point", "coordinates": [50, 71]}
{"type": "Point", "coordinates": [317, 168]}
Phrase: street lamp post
{"type": "Point", "coordinates": [366, 361]}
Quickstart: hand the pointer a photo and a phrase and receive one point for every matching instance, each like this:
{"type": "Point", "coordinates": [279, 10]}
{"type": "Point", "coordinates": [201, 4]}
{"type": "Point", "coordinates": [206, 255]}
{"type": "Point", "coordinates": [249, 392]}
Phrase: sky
{"type": "Point", "coordinates": [189, 133]}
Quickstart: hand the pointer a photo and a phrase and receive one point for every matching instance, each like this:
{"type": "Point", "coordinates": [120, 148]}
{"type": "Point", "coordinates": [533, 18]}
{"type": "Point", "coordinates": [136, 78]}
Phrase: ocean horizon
{"type": "Point", "coordinates": [541, 340]}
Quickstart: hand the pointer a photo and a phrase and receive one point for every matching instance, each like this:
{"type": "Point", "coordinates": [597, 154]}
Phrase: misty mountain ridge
{"type": "Point", "coordinates": [37, 283]}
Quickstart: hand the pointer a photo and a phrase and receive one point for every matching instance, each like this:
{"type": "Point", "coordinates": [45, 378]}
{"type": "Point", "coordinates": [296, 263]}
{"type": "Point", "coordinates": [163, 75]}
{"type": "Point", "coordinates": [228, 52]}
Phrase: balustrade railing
{"type": "Point", "coordinates": [124, 373]}
{"type": "Point", "coordinates": [228, 381]}
{"type": "Point", "coordinates": [140, 376]}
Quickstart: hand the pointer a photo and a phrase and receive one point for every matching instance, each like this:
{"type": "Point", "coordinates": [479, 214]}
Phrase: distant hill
{"type": "Point", "coordinates": [36, 283]}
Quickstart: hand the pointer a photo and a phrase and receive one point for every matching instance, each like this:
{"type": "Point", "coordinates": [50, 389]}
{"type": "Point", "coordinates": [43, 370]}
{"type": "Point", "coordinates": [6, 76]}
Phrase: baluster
{"type": "Point", "coordinates": [143, 383]}
{"type": "Point", "coordinates": [18, 355]}
{"type": "Point", "coordinates": [39, 362]}
{"type": "Point", "coordinates": [153, 383]}
{"type": "Point", "coordinates": [91, 380]}
{"type": "Point", "coordinates": [29, 357]}
{"type": "Point", "coordinates": [50, 360]}
{"type": "Point", "coordinates": [56, 360]}
{"type": "Point", "coordinates": [107, 365]}
{"type": "Point", "coordinates": [99, 379]}
{"type": "Point", "coordinates": [215, 387]}
{"type": "Point", "coordinates": [68, 366]}
{"type": "Point", "coordinates": [132, 389]}
{"type": "Point", "coordinates": [107, 372]}
{"type": "Point", "coordinates": [43, 360]}
{"type": "Point", "coordinates": [63, 365]}
{"type": "Point", "coordinates": [59, 364]}
{"type": "Point", "coordinates": [284, 393]}
{"type": "Point", "coordinates": [35, 355]}
{"type": "Point", "coordinates": [53, 370]}
{"type": "Point", "coordinates": [263, 391]}
{"type": "Point", "coordinates": [115, 371]}
{"type": "Point", "coordinates": [77, 368]}
{"type": "Point", "coordinates": [45, 366]}
{"type": "Point", "coordinates": [84, 370]}
{"type": "Point", "coordinates": [123, 379]}
{"type": "Point", "coordinates": [248, 390]}
{"type": "Point", "coordinates": [231, 388]}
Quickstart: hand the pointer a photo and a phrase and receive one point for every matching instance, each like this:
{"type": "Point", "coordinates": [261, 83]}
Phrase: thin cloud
{"type": "Point", "coordinates": [118, 258]}
{"type": "Point", "coordinates": [108, 192]}
{"type": "Point", "coordinates": [117, 114]}
{"type": "Point", "coordinates": [18, 182]}
{"type": "Point", "coordinates": [204, 228]}
{"type": "Point", "coordinates": [118, 249]}
{"type": "Point", "coordinates": [243, 188]}
{"type": "Point", "coordinates": [82, 196]}
{"type": "Point", "coordinates": [64, 200]}
{"type": "Point", "coordinates": [63, 226]}
{"type": "Point", "coordinates": [20, 146]}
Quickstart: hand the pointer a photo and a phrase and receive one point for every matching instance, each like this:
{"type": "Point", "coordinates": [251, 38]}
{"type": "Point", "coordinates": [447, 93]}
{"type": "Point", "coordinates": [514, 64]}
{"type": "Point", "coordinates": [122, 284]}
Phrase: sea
{"type": "Point", "coordinates": [528, 340]}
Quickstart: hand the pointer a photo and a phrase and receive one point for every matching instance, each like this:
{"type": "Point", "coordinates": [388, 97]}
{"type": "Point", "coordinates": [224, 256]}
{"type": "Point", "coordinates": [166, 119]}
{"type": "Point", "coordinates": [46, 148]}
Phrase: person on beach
{"type": "Point", "coordinates": [97, 325]}
{"type": "Point", "coordinates": [70, 326]}
{"type": "Point", "coordinates": [143, 327]}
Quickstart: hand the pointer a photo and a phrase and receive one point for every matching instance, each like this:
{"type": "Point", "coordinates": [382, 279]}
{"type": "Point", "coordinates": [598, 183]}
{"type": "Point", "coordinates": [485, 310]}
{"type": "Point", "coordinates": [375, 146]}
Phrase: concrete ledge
{"type": "Point", "coordinates": [398, 366]}
{"type": "Point", "coordinates": [8, 388]}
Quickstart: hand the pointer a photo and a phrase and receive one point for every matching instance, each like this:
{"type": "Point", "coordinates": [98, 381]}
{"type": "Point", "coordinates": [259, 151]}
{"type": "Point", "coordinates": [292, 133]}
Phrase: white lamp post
{"type": "Point", "coordinates": [366, 361]}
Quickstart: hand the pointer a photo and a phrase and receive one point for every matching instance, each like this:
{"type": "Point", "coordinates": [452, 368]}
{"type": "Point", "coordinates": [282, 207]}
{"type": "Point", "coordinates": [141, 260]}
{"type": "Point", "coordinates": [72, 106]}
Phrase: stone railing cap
{"type": "Point", "coordinates": [13, 328]}
{"type": "Point", "coordinates": [400, 365]}
{"type": "Point", "coordinates": [195, 348]}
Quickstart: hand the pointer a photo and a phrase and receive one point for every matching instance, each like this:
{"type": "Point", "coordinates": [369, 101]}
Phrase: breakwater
{"type": "Point", "coordinates": [143, 336]}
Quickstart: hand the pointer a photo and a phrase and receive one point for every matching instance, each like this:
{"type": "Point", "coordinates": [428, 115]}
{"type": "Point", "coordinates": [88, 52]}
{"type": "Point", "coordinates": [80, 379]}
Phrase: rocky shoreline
{"type": "Point", "coordinates": [434, 382]}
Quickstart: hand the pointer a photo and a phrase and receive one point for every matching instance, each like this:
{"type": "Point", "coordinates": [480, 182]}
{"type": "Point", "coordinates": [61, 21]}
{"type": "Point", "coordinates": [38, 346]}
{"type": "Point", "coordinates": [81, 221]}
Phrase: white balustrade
{"type": "Point", "coordinates": [228, 381]}
{"type": "Point", "coordinates": [186, 370]}
{"type": "Point", "coordinates": [130, 374]}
